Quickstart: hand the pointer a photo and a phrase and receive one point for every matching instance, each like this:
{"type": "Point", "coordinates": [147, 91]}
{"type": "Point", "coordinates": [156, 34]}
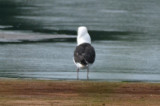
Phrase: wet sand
{"type": "Point", "coordinates": [15, 92]}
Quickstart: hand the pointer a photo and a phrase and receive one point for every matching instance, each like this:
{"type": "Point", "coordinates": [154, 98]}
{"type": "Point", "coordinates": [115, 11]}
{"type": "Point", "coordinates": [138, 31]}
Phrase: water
{"type": "Point", "coordinates": [125, 35]}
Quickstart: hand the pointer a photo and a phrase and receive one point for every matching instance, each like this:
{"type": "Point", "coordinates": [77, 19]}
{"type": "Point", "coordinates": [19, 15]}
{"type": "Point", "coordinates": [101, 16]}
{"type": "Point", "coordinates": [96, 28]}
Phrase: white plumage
{"type": "Point", "coordinates": [83, 36]}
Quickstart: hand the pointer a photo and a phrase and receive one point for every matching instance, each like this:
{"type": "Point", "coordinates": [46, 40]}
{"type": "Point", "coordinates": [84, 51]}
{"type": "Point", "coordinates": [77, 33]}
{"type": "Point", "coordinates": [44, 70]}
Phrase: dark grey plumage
{"type": "Point", "coordinates": [84, 54]}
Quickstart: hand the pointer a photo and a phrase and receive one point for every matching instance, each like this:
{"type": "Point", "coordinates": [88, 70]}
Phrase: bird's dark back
{"type": "Point", "coordinates": [84, 54]}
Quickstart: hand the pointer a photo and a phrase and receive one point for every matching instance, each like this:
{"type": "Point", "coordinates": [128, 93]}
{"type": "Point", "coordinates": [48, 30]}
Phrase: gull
{"type": "Point", "coordinates": [84, 54]}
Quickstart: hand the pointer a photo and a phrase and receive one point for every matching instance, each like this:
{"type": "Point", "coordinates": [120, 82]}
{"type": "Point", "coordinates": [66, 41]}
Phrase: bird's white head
{"type": "Point", "coordinates": [83, 36]}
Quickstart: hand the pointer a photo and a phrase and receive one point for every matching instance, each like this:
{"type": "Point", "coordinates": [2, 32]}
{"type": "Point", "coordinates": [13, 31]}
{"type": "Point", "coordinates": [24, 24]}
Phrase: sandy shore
{"type": "Point", "coordinates": [68, 93]}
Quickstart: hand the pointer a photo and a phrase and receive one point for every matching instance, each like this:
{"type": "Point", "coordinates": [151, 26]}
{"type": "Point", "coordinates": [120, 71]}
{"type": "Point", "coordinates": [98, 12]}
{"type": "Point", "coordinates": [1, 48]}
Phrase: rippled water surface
{"type": "Point", "coordinates": [125, 35]}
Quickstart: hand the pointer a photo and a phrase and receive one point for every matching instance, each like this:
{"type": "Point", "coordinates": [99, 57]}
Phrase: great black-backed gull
{"type": "Point", "coordinates": [84, 54]}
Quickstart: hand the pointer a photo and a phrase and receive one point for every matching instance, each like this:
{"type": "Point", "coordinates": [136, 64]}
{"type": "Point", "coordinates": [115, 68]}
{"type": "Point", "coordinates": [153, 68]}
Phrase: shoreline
{"type": "Point", "coordinates": [90, 80]}
{"type": "Point", "coordinates": [50, 92]}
